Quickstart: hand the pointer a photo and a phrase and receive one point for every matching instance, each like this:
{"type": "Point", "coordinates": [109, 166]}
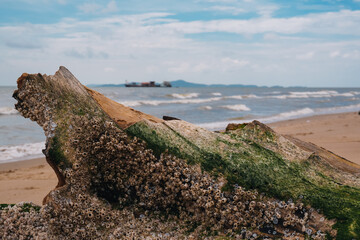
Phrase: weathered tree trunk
{"type": "Point", "coordinates": [118, 167]}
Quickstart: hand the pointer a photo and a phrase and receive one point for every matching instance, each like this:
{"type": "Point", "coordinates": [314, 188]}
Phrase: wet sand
{"type": "Point", "coordinates": [31, 180]}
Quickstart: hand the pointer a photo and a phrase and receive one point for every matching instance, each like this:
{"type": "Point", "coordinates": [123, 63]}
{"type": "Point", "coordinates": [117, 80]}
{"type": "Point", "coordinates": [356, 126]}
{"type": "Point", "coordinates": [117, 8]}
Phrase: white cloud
{"type": "Point", "coordinates": [355, 54]}
{"type": "Point", "coordinates": [230, 62]}
{"type": "Point", "coordinates": [152, 69]}
{"type": "Point", "coordinates": [109, 69]}
{"type": "Point", "coordinates": [201, 67]}
{"type": "Point", "coordinates": [343, 22]}
{"type": "Point", "coordinates": [218, 1]}
{"type": "Point", "coordinates": [95, 8]}
{"type": "Point", "coordinates": [62, 2]}
{"type": "Point", "coordinates": [229, 9]}
{"type": "Point", "coordinates": [181, 68]}
{"type": "Point", "coordinates": [334, 54]}
{"type": "Point", "coordinates": [267, 11]}
{"type": "Point", "coordinates": [154, 46]}
{"type": "Point", "coordinates": [111, 7]}
{"type": "Point", "coordinates": [305, 56]}
{"type": "Point", "coordinates": [90, 7]}
{"type": "Point", "coordinates": [279, 37]}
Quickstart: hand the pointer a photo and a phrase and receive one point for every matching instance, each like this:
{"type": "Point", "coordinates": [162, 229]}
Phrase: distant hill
{"type": "Point", "coordinates": [179, 83]}
{"type": "Point", "coordinates": [183, 83]}
{"type": "Point", "coordinates": [106, 85]}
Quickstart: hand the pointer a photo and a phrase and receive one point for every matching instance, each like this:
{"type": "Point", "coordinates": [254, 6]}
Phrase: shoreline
{"type": "Point", "coordinates": [32, 179]}
{"type": "Point", "coordinates": [26, 163]}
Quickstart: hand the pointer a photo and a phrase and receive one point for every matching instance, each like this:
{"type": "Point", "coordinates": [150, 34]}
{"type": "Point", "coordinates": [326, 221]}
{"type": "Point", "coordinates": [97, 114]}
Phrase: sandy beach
{"type": "Point", "coordinates": [31, 180]}
{"type": "Point", "coordinates": [28, 180]}
{"type": "Point", "coordinates": [338, 133]}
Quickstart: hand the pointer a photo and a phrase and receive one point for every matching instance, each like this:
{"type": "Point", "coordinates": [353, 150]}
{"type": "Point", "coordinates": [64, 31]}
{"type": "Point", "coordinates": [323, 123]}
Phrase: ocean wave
{"type": "Point", "coordinates": [8, 111]}
{"type": "Point", "coordinates": [184, 95]}
{"type": "Point", "coordinates": [246, 96]}
{"type": "Point", "coordinates": [303, 112]}
{"type": "Point", "coordinates": [288, 115]}
{"type": "Point", "coordinates": [234, 97]}
{"type": "Point", "coordinates": [191, 98]}
{"type": "Point", "coordinates": [14, 153]}
{"type": "Point", "coordinates": [340, 109]}
{"type": "Point", "coordinates": [159, 102]}
{"type": "Point", "coordinates": [314, 94]}
{"type": "Point", "coordinates": [205, 107]}
{"type": "Point", "coordinates": [237, 107]}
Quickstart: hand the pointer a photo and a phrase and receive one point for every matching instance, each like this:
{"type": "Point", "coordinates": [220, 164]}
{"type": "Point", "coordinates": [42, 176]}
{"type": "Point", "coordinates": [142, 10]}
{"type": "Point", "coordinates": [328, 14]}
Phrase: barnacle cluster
{"type": "Point", "coordinates": [22, 221]}
{"type": "Point", "coordinates": [34, 103]}
{"type": "Point", "coordinates": [115, 187]}
{"type": "Point", "coordinates": [116, 177]}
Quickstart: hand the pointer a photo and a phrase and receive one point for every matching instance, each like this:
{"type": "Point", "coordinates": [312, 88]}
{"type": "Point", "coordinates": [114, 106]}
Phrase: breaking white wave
{"type": "Point", "coordinates": [191, 98]}
{"type": "Point", "coordinates": [304, 112]}
{"type": "Point", "coordinates": [15, 153]}
{"type": "Point", "coordinates": [340, 109]}
{"type": "Point", "coordinates": [246, 96]}
{"type": "Point", "coordinates": [315, 94]}
{"type": "Point", "coordinates": [234, 97]}
{"type": "Point", "coordinates": [205, 107]}
{"type": "Point", "coordinates": [250, 96]}
{"type": "Point", "coordinates": [289, 115]}
{"type": "Point", "coordinates": [184, 95]}
{"type": "Point", "coordinates": [237, 107]}
{"type": "Point", "coordinates": [8, 111]}
{"type": "Point", "coordinates": [178, 101]}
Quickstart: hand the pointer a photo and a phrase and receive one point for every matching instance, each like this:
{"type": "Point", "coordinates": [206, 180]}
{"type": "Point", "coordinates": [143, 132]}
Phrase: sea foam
{"type": "Point", "coordinates": [237, 107]}
{"type": "Point", "coordinates": [8, 111]}
{"type": "Point", "coordinates": [177, 101]}
{"type": "Point", "coordinates": [306, 94]}
{"type": "Point", "coordinates": [23, 151]}
{"type": "Point", "coordinates": [184, 95]}
{"type": "Point", "coordinates": [303, 112]}
{"type": "Point", "coordinates": [205, 107]}
{"type": "Point", "coordinates": [314, 94]}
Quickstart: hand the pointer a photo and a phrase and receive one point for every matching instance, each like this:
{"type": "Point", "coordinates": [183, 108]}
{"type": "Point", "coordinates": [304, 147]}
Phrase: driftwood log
{"type": "Point", "coordinates": [124, 174]}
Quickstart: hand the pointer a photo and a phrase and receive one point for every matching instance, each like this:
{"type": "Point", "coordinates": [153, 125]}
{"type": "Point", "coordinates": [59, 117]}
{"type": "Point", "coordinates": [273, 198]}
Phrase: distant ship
{"type": "Point", "coordinates": [148, 84]}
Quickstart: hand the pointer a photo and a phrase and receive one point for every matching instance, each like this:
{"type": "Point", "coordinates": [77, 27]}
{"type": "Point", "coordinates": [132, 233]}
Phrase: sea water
{"type": "Point", "coordinates": [209, 107]}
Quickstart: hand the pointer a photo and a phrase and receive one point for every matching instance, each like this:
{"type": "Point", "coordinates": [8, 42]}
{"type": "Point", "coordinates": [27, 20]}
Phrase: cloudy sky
{"type": "Point", "coordinates": [282, 42]}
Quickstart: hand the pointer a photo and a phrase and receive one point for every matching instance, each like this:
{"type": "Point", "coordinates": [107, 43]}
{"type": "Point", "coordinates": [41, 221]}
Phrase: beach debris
{"type": "Point", "coordinates": [127, 175]}
{"type": "Point", "coordinates": [168, 118]}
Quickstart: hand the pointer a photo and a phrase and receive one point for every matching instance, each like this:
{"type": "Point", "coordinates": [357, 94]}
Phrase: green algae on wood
{"type": "Point", "coordinates": [246, 159]}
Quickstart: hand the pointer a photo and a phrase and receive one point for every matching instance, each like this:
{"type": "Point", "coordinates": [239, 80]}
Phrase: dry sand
{"type": "Point", "coordinates": [338, 133]}
{"type": "Point", "coordinates": [31, 180]}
